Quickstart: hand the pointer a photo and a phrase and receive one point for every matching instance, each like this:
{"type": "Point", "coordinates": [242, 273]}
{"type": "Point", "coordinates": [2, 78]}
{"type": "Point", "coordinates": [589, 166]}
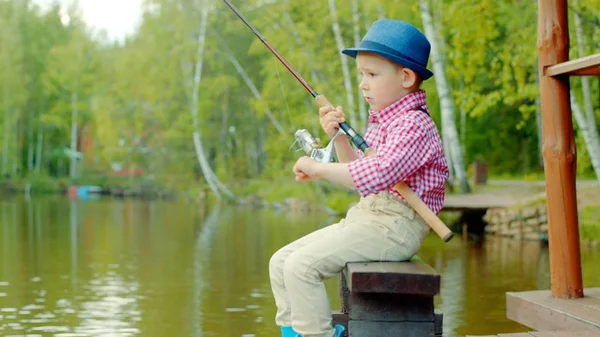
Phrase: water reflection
{"type": "Point", "coordinates": [202, 254]}
{"type": "Point", "coordinates": [133, 268]}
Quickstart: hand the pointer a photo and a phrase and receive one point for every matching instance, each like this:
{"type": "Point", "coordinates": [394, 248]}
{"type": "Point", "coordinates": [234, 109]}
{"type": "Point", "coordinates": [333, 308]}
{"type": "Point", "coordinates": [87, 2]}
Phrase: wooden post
{"type": "Point", "coordinates": [559, 152]}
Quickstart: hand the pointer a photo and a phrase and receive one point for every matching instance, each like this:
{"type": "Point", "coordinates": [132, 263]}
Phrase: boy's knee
{"type": "Point", "coordinates": [276, 262]}
{"type": "Point", "coordinates": [296, 265]}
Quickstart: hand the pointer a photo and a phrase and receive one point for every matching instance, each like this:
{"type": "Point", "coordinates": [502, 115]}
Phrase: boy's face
{"type": "Point", "coordinates": [382, 81]}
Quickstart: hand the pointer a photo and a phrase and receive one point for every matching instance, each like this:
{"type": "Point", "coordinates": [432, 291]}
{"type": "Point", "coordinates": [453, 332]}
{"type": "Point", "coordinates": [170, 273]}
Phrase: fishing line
{"type": "Point", "coordinates": [283, 92]}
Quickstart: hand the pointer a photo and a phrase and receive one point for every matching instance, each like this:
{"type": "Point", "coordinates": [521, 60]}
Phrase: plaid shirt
{"type": "Point", "coordinates": [408, 149]}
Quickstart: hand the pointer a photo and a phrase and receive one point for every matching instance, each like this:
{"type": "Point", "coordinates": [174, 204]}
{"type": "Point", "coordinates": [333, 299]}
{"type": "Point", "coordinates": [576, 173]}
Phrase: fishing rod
{"type": "Point", "coordinates": [317, 152]}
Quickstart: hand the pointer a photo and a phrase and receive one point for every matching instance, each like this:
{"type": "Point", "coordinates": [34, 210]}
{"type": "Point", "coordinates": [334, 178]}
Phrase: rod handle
{"type": "Point", "coordinates": [323, 101]}
{"type": "Point", "coordinates": [354, 137]}
{"type": "Point", "coordinates": [427, 214]}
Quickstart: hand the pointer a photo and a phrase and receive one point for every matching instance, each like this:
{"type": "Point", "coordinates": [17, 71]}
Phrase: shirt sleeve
{"type": "Point", "coordinates": [407, 148]}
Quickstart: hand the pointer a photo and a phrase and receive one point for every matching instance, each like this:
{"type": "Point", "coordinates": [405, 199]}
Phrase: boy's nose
{"type": "Point", "coordinates": [363, 85]}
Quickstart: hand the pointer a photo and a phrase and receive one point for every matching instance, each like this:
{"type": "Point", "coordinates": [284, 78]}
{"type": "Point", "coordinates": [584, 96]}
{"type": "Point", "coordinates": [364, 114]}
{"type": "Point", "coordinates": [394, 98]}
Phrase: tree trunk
{"type": "Point", "coordinates": [585, 80]}
{"type": "Point", "coordinates": [38, 150]}
{"type": "Point", "coordinates": [248, 81]}
{"type": "Point", "coordinates": [446, 103]}
{"type": "Point", "coordinates": [362, 111]}
{"type": "Point", "coordinates": [463, 117]}
{"type": "Point", "coordinates": [367, 16]}
{"type": "Point", "coordinates": [6, 133]}
{"type": "Point", "coordinates": [16, 153]}
{"type": "Point", "coordinates": [73, 167]}
{"type": "Point", "coordinates": [448, 151]}
{"type": "Point", "coordinates": [224, 133]}
{"type": "Point", "coordinates": [591, 142]}
{"type": "Point", "coordinates": [255, 92]}
{"type": "Point", "coordinates": [6, 121]}
{"type": "Point", "coordinates": [350, 109]}
{"type": "Point", "coordinates": [212, 180]}
{"type": "Point", "coordinates": [30, 145]}
{"type": "Point", "coordinates": [380, 12]}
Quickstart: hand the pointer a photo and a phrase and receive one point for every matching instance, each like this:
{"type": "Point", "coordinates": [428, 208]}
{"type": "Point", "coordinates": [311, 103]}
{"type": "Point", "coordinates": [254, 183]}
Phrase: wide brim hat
{"type": "Point", "coordinates": [399, 42]}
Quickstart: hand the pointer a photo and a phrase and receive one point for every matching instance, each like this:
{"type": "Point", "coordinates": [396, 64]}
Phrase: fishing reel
{"type": "Point", "coordinates": [313, 148]}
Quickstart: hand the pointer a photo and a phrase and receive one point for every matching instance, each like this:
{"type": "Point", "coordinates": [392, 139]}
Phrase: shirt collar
{"type": "Point", "coordinates": [407, 103]}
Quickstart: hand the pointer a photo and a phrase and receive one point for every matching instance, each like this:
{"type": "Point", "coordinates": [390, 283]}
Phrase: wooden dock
{"type": "Point", "coordinates": [554, 317]}
{"type": "Point", "coordinates": [540, 311]}
{"type": "Point", "coordinates": [477, 202]}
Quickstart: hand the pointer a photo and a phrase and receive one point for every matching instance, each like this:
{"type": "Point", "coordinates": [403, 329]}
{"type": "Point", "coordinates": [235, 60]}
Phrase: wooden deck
{"type": "Point", "coordinates": [477, 202]}
{"type": "Point", "coordinates": [540, 311]}
{"type": "Point", "coordinates": [554, 317]}
{"type": "Point", "coordinates": [506, 193]}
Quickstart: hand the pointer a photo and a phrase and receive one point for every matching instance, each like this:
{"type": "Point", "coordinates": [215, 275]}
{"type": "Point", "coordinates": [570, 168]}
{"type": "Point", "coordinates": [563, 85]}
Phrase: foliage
{"type": "Point", "coordinates": [134, 94]}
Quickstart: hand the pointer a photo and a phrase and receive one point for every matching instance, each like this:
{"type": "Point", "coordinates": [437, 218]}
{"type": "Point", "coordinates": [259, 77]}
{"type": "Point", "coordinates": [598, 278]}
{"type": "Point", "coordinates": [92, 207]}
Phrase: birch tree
{"type": "Point", "coordinates": [69, 76]}
{"type": "Point", "coordinates": [344, 60]}
{"type": "Point", "coordinates": [446, 101]}
{"type": "Point", "coordinates": [249, 83]}
{"type": "Point", "coordinates": [213, 181]}
{"type": "Point", "coordinates": [587, 131]}
{"type": "Point", "coordinates": [586, 118]}
{"type": "Point", "coordinates": [13, 93]}
{"type": "Point", "coordinates": [356, 22]}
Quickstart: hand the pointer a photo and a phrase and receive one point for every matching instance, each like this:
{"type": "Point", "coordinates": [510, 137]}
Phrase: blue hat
{"type": "Point", "coordinates": [398, 41]}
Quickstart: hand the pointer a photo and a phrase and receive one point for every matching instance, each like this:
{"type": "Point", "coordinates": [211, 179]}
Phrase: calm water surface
{"type": "Point", "coordinates": [133, 268]}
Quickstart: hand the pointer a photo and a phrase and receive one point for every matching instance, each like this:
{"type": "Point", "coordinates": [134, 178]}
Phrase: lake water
{"type": "Point", "coordinates": [111, 267]}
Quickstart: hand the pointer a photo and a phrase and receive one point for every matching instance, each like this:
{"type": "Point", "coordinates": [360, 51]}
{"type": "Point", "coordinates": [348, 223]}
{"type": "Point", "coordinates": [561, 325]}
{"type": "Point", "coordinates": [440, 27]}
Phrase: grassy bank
{"type": "Point", "coordinates": [44, 184]}
{"type": "Point", "coordinates": [320, 195]}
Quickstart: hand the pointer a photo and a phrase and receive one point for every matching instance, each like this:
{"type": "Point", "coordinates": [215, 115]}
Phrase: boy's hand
{"type": "Point", "coordinates": [330, 119]}
{"type": "Point", "coordinates": [306, 169]}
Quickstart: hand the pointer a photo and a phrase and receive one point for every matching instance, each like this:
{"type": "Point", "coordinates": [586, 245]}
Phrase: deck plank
{"type": "Point", "coordinates": [592, 298]}
{"type": "Point", "coordinates": [593, 292]}
{"type": "Point", "coordinates": [540, 311]}
{"type": "Point", "coordinates": [481, 201]}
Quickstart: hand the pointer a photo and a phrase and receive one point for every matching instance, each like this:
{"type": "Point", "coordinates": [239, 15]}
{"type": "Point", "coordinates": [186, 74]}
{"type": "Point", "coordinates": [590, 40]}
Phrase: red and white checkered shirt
{"type": "Point", "coordinates": [408, 149]}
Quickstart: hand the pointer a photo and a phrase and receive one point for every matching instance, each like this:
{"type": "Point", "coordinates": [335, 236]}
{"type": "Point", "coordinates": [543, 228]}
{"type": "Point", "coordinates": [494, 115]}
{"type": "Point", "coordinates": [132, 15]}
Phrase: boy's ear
{"type": "Point", "coordinates": [411, 78]}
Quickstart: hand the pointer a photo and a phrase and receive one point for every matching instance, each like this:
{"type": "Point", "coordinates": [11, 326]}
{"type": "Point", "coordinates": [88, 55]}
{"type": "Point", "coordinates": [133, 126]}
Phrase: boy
{"type": "Point", "coordinates": [392, 59]}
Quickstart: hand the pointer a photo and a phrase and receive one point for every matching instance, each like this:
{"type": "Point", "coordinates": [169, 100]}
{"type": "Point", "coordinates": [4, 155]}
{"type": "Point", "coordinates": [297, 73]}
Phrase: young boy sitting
{"type": "Point", "coordinates": [392, 60]}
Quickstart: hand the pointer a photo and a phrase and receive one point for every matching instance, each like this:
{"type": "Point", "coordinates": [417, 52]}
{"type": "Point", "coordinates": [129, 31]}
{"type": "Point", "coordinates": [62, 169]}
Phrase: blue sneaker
{"type": "Point", "coordinates": [287, 331]}
{"type": "Point", "coordinates": [339, 330]}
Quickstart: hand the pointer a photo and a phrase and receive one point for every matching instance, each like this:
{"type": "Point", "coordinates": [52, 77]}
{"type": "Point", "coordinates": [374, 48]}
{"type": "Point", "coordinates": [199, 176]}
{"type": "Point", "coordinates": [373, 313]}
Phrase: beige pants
{"type": "Point", "coordinates": [381, 227]}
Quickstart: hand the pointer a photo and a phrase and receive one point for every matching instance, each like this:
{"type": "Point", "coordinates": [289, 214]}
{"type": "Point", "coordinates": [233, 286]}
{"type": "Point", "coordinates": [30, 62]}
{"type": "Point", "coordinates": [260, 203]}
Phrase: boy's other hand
{"type": "Point", "coordinates": [306, 169]}
{"type": "Point", "coordinates": [330, 119]}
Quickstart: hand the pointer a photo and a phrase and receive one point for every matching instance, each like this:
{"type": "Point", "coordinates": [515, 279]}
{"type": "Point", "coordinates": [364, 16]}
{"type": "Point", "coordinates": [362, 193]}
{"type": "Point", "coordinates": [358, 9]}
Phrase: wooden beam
{"type": "Point", "coordinates": [573, 67]}
{"type": "Point", "coordinates": [559, 152]}
{"type": "Point", "coordinates": [587, 72]}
